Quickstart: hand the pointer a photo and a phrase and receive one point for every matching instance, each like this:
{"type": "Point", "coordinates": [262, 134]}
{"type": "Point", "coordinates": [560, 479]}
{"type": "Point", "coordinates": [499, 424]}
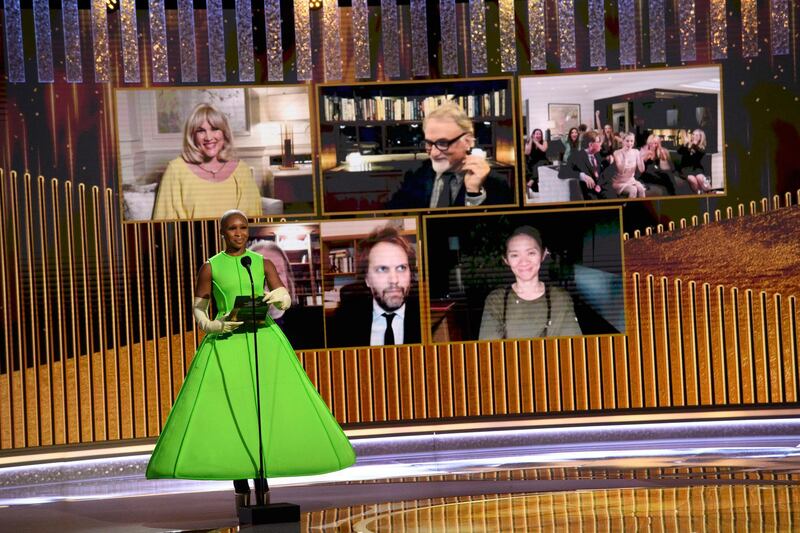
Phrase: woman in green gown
{"type": "Point", "coordinates": [212, 430]}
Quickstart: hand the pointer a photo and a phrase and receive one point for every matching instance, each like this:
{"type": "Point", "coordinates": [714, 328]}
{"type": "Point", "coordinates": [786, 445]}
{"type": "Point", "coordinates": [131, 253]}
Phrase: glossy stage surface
{"type": "Point", "coordinates": [706, 475]}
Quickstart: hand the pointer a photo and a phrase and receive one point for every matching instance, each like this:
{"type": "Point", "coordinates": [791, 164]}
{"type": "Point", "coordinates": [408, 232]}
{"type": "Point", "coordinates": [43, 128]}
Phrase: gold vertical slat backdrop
{"type": "Point", "coordinates": [97, 339]}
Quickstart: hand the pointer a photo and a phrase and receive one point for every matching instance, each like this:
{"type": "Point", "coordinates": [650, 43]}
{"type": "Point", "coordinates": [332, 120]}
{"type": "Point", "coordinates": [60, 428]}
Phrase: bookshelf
{"type": "Point", "coordinates": [340, 257]}
{"type": "Point", "coordinates": [338, 267]}
{"type": "Point", "coordinates": [387, 118]}
{"type": "Point", "coordinates": [303, 253]}
{"type": "Point", "coordinates": [307, 278]}
{"type": "Point", "coordinates": [379, 108]}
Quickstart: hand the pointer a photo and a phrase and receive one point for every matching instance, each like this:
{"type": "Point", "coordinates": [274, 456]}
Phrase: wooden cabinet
{"type": "Point", "coordinates": [295, 187]}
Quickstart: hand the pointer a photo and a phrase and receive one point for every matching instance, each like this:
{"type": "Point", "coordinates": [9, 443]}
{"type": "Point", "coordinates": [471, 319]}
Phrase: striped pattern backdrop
{"type": "Point", "coordinates": [184, 45]}
{"type": "Point", "coordinates": [97, 339]}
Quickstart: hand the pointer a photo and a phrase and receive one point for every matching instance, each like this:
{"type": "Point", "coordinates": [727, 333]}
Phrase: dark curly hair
{"type": "Point", "coordinates": [389, 234]}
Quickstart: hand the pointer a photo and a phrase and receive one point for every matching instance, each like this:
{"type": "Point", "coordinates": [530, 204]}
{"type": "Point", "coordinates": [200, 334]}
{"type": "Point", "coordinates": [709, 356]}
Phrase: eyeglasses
{"type": "Point", "coordinates": [442, 144]}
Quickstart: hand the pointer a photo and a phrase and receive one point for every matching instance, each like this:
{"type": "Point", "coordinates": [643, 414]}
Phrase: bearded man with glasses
{"type": "Point", "coordinates": [452, 176]}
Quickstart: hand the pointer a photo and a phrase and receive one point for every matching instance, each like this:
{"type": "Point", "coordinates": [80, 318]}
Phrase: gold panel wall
{"type": "Point", "coordinates": [96, 342]}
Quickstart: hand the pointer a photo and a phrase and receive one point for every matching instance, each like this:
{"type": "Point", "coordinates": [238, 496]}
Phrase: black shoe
{"type": "Point", "coordinates": [242, 500]}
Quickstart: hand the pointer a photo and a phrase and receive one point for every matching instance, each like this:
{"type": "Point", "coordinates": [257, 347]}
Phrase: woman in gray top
{"type": "Point", "coordinates": [528, 308]}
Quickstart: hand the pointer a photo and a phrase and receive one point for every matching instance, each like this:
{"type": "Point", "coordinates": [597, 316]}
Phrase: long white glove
{"type": "Point", "coordinates": [279, 298]}
{"type": "Point", "coordinates": [200, 310]}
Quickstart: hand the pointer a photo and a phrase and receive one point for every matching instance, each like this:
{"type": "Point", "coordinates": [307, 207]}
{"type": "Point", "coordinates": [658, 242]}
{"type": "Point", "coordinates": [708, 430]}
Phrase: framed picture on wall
{"type": "Point", "coordinates": [672, 118]}
{"type": "Point", "coordinates": [172, 107]}
{"type": "Point", "coordinates": [621, 116]}
{"type": "Point", "coordinates": [563, 117]}
{"type": "Point", "coordinates": [703, 116]}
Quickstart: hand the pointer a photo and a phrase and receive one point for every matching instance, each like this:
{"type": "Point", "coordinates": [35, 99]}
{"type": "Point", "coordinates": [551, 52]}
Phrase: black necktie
{"type": "Point", "coordinates": [444, 194]}
{"type": "Point", "coordinates": [388, 337]}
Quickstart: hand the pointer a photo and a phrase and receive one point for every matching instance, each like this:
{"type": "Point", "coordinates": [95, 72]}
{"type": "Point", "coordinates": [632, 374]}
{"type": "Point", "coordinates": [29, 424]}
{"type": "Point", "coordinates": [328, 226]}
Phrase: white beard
{"type": "Point", "coordinates": [440, 166]}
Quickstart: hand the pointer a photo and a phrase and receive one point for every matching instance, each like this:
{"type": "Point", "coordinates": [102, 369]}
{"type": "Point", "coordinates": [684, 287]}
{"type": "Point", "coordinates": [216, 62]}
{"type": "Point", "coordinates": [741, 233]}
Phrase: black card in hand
{"type": "Point", "coordinates": [244, 310]}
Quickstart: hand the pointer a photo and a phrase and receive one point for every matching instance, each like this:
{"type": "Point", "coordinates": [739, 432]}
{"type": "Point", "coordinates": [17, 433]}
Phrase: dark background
{"type": "Point", "coordinates": [590, 238]}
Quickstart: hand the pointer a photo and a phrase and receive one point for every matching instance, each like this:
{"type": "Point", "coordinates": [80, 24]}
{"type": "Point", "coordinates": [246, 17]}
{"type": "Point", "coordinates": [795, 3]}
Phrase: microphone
{"type": "Point", "coordinates": [246, 261]}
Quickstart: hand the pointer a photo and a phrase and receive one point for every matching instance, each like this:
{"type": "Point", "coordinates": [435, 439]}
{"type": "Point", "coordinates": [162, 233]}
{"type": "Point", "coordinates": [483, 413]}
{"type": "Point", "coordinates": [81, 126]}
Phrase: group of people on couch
{"type": "Point", "coordinates": [608, 164]}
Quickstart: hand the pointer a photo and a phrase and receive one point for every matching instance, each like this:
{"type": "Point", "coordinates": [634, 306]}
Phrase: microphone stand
{"type": "Point", "coordinates": [261, 483]}
{"type": "Point", "coordinates": [263, 512]}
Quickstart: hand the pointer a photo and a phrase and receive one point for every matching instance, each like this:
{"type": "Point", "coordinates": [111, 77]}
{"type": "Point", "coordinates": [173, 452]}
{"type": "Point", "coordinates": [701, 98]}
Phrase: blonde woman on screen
{"type": "Point", "coordinates": [691, 165]}
{"type": "Point", "coordinates": [207, 179]}
{"type": "Point", "coordinates": [302, 323]}
{"type": "Point", "coordinates": [270, 250]}
{"type": "Point", "coordinates": [627, 161]}
{"type": "Point", "coordinates": [528, 308]}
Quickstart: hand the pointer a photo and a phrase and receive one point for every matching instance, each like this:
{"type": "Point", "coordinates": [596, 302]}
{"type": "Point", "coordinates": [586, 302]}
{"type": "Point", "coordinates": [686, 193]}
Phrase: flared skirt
{"type": "Point", "coordinates": [212, 430]}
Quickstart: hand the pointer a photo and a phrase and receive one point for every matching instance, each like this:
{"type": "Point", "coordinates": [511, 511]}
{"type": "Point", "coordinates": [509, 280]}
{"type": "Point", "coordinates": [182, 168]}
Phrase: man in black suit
{"type": "Point", "coordinates": [383, 308]}
{"type": "Point", "coordinates": [452, 176]}
{"type": "Point", "coordinates": [584, 165]}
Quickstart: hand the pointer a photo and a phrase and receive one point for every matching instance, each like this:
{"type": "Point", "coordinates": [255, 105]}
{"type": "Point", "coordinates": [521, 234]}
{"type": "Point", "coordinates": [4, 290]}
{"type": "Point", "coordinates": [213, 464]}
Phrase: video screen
{"type": "Point", "coordinates": [294, 249]}
{"type": "Point", "coordinates": [417, 145]}
{"type": "Point", "coordinates": [193, 153]}
{"type": "Point", "coordinates": [371, 282]}
{"type": "Point", "coordinates": [623, 135]}
{"type": "Point", "coordinates": [525, 274]}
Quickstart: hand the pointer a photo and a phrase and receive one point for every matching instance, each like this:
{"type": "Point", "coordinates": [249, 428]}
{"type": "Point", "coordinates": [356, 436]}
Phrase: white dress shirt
{"type": "Point", "coordinates": [379, 324]}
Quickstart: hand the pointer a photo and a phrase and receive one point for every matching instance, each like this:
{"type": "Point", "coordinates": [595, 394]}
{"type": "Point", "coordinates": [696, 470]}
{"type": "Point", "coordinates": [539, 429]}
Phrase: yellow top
{"type": "Point", "coordinates": [184, 195]}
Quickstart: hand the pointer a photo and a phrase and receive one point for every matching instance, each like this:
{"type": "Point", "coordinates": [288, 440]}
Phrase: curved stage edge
{"type": "Point", "coordinates": [711, 472]}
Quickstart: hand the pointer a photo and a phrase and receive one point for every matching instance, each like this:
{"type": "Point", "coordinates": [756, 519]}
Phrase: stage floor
{"type": "Point", "coordinates": [690, 476]}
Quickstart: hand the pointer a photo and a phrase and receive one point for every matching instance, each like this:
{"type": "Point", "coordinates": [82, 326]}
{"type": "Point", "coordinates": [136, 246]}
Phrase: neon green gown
{"type": "Point", "coordinates": [212, 431]}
